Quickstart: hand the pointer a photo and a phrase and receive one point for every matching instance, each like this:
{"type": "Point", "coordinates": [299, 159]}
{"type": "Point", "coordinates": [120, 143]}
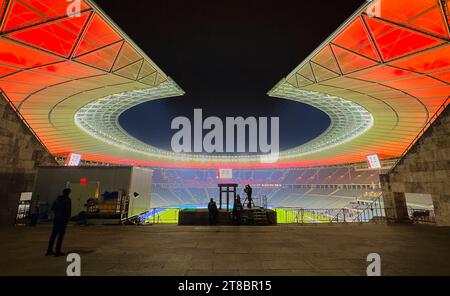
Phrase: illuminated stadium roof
{"type": "Point", "coordinates": [380, 77]}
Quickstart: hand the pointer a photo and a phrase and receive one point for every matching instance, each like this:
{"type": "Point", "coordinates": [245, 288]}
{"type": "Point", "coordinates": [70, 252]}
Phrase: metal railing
{"type": "Point", "coordinates": [375, 210]}
{"type": "Point", "coordinates": [285, 215]}
{"type": "Point", "coordinates": [289, 215]}
{"type": "Point", "coordinates": [306, 216]}
{"type": "Point", "coordinates": [257, 201]}
{"type": "Point", "coordinates": [160, 216]}
{"type": "Point", "coordinates": [421, 215]}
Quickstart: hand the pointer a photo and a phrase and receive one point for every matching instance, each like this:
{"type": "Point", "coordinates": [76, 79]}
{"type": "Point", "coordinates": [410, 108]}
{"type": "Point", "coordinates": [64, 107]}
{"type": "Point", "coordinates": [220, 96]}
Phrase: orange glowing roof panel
{"type": "Point", "coordinates": [389, 61]}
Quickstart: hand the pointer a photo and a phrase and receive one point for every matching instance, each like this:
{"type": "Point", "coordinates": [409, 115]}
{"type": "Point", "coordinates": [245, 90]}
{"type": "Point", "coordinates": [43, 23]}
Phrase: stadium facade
{"type": "Point", "coordinates": [380, 77]}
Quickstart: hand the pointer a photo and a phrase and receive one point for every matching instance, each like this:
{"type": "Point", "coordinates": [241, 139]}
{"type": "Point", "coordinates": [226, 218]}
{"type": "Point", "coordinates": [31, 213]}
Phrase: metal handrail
{"type": "Point", "coordinates": [343, 211]}
{"type": "Point", "coordinates": [375, 206]}
{"type": "Point", "coordinates": [424, 129]}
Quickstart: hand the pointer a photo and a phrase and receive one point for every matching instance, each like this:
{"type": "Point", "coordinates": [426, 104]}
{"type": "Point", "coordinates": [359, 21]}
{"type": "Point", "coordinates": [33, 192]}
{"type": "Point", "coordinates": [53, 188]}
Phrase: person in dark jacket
{"type": "Point", "coordinates": [248, 190]}
{"type": "Point", "coordinates": [62, 208]}
{"type": "Point", "coordinates": [213, 212]}
{"type": "Point", "coordinates": [237, 208]}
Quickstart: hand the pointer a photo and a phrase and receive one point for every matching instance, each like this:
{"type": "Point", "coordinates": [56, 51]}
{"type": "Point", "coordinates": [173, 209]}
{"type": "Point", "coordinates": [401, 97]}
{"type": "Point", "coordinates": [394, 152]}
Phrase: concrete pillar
{"type": "Point", "coordinates": [442, 209]}
{"type": "Point", "coordinates": [400, 207]}
{"type": "Point", "coordinates": [388, 200]}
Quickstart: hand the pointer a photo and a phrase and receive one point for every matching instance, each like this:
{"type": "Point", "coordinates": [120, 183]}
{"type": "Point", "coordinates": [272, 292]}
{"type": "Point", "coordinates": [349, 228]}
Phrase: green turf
{"type": "Point", "coordinates": [286, 216]}
{"type": "Point", "coordinates": [169, 216]}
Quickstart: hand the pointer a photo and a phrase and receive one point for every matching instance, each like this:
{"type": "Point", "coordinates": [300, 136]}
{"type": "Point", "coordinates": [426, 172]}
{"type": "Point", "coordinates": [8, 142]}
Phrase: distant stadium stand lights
{"type": "Point", "coordinates": [214, 140]}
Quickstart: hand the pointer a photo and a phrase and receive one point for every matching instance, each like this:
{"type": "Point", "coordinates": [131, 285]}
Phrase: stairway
{"type": "Point", "coordinates": [260, 216]}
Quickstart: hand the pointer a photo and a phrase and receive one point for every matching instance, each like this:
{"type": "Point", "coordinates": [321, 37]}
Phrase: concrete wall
{"type": "Point", "coordinates": [426, 170]}
{"type": "Point", "coordinates": [20, 155]}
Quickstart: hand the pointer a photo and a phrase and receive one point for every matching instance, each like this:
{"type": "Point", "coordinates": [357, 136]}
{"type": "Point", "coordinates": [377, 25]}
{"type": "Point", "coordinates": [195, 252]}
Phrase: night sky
{"type": "Point", "coordinates": [226, 55]}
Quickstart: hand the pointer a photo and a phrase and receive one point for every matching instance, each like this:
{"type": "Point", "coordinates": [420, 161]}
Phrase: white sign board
{"type": "Point", "coordinates": [26, 196]}
{"type": "Point", "coordinates": [225, 174]}
{"type": "Point", "coordinates": [374, 162]}
{"type": "Point", "coordinates": [73, 159]}
{"type": "Point", "coordinates": [374, 8]}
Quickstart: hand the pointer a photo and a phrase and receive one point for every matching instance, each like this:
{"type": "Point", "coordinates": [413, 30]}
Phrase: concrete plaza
{"type": "Point", "coordinates": [229, 251]}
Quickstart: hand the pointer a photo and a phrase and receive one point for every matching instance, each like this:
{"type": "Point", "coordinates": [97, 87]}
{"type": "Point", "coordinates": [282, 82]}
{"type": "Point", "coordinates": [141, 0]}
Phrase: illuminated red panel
{"type": "Point", "coordinates": [431, 21]}
{"type": "Point", "coordinates": [18, 87]}
{"type": "Point", "coordinates": [394, 42]}
{"type": "Point", "coordinates": [445, 76]}
{"type": "Point", "coordinates": [414, 83]}
{"type": "Point", "coordinates": [33, 78]}
{"type": "Point", "coordinates": [447, 12]}
{"type": "Point", "coordinates": [355, 38]}
{"type": "Point", "coordinates": [127, 56]}
{"type": "Point", "coordinates": [69, 70]}
{"type": "Point", "coordinates": [24, 57]}
{"type": "Point", "coordinates": [426, 62]}
{"type": "Point", "coordinates": [24, 13]}
{"type": "Point", "coordinates": [97, 35]}
{"type": "Point", "coordinates": [431, 92]}
{"type": "Point", "coordinates": [326, 59]}
{"type": "Point", "coordinates": [17, 92]}
{"type": "Point", "coordinates": [57, 37]}
{"type": "Point", "coordinates": [2, 10]}
{"type": "Point", "coordinates": [433, 104]}
{"type": "Point", "coordinates": [4, 70]}
{"type": "Point", "coordinates": [15, 98]}
{"type": "Point", "coordinates": [381, 74]}
{"type": "Point", "coordinates": [420, 14]}
{"type": "Point", "coordinates": [103, 58]}
{"type": "Point", "coordinates": [350, 62]}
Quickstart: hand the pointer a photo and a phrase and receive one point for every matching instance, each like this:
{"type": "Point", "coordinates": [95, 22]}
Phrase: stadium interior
{"type": "Point", "coordinates": [383, 79]}
{"type": "Point", "coordinates": [303, 188]}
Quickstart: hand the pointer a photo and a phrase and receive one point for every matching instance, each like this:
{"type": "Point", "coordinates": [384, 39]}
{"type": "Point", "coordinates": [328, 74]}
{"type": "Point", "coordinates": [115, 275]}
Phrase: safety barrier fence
{"type": "Point", "coordinates": [287, 215]}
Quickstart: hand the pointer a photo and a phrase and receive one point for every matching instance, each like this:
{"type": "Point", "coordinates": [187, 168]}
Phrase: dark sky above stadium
{"type": "Point", "coordinates": [227, 55]}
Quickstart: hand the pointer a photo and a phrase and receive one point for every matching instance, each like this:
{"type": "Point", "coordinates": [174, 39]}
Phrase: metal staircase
{"type": "Point", "coordinates": [260, 216]}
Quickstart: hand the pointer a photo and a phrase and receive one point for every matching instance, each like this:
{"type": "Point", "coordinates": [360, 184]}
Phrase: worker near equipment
{"type": "Point", "coordinates": [62, 209]}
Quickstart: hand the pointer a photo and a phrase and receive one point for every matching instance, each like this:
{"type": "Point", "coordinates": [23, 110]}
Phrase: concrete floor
{"type": "Point", "coordinates": [278, 250]}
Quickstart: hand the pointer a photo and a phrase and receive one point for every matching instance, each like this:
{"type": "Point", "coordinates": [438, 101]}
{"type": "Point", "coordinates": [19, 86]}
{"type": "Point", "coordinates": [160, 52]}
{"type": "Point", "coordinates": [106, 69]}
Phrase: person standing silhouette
{"type": "Point", "coordinates": [248, 190]}
{"type": "Point", "coordinates": [62, 209]}
{"type": "Point", "coordinates": [237, 208]}
{"type": "Point", "coordinates": [213, 212]}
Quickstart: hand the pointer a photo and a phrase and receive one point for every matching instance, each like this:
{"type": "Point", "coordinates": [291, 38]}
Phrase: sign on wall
{"type": "Point", "coordinates": [225, 174]}
{"type": "Point", "coordinates": [73, 159]}
{"type": "Point", "coordinates": [374, 162]}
